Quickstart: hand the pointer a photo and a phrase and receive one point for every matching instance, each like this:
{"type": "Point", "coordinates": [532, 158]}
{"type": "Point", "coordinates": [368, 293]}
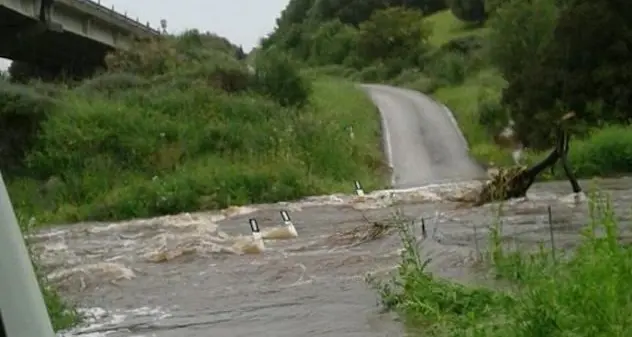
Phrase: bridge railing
{"type": "Point", "coordinates": [96, 5]}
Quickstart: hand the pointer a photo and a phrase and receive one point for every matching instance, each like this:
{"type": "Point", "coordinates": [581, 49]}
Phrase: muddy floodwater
{"type": "Point", "coordinates": [186, 276]}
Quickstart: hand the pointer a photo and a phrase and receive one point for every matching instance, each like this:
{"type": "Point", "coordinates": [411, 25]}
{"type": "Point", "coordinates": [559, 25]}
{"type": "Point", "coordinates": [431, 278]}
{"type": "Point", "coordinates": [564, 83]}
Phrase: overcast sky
{"type": "Point", "coordinates": [243, 22]}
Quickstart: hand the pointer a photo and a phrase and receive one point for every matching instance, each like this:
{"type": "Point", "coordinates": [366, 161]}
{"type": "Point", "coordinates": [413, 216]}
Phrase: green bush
{"type": "Point", "coordinates": [468, 10]}
{"type": "Point", "coordinates": [606, 151]}
{"type": "Point", "coordinates": [448, 70]}
{"type": "Point", "coordinates": [278, 77]}
{"type": "Point", "coordinates": [491, 114]}
{"type": "Point", "coordinates": [330, 70]}
{"type": "Point", "coordinates": [111, 84]}
{"type": "Point", "coordinates": [519, 32]}
{"type": "Point", "coordinates": [22, 110]}
{"type": "Point", "coordinates": [465, 45]}
{"type": "Point", "coordinates": [416, 80]}
{"type": "Point", "coordinates": [202, 149]}
{"type": "Point", "coordinates": [374, 73]}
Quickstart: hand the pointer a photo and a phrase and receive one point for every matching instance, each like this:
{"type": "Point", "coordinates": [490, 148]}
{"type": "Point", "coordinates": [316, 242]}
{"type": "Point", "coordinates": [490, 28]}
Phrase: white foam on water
{"type": "Point", "coordinates": [99, 322]}
{"type": "Point", "coordinates": [83, 276]}
{"type": "Point", "coordinates": [83, 255]}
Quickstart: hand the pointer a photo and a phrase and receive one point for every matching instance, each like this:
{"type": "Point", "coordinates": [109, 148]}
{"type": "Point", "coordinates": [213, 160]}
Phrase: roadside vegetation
{"type": "Point", "coordinates": [489, 61]}
{"type": "Point", "coordinates": [543, 293]}
{"type": "Point", "coordinates": [177, 125]}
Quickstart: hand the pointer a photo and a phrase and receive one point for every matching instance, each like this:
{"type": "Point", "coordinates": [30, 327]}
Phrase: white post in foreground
{"type": "Point", "coordinates": [22, 306]}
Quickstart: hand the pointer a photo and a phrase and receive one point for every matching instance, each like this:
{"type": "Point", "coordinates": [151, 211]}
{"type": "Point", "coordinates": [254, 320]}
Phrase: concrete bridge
{"type": "Point", "coordinates": [64, 33]}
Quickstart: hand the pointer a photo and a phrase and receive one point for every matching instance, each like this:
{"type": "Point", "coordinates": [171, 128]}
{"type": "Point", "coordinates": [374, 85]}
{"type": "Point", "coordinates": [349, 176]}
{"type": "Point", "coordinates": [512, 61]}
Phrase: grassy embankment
{"type": "Point", "coordinates": [606, 151]}
{"type": "Point", "coordinates": [178, 126]}
{"type": "Point", "coordinates": [122, 146]}
{"type": "Point", "coordinates": [544, 294]}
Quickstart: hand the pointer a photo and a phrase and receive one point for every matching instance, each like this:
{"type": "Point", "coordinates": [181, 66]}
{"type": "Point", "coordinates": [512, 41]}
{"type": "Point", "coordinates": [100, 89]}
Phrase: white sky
{"type": "Point", "coordinates": [243, 22]}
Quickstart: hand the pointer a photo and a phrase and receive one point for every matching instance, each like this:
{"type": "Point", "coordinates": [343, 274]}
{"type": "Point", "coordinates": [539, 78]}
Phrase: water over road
{"type": "Point", "coordinates": [182, 276]}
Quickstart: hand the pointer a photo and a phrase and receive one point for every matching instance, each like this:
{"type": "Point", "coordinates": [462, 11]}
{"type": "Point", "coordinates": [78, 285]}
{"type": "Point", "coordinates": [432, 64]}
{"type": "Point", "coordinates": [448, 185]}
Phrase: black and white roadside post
{"type": "Point", "coordinates": [358, 189]}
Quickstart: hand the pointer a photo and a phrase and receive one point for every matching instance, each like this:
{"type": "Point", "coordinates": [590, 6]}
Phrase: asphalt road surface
{"type": "Point", "coordinates": [421, 138]}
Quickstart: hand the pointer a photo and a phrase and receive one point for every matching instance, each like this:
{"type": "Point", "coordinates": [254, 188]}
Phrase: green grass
{"type": "Point", "coordinates": [464, 101]}
{"type": "Point", "coordinates": [446, 27]}
{"type": "Point", "coordinates": [580, 294]}
{"type": "Point", "coordinates": [166, 150]}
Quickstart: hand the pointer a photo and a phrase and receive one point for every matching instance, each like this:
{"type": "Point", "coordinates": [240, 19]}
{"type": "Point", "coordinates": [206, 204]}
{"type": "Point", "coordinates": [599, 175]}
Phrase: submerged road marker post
{"type": "Point", "coordinates": [551, 233]}
{"type": "Point", "coordinates": [286, 218]}
{"type": "Point", "coordinates": [22, 305]}
{"type": "Point", "coordinates": [359, 191]}
{"type": "Point", "coordinates": [289, 225]}
{"type": "Point", "coordinates": [424, 234]}
{"type": "Point", "coordinates": [478, 251]}
{"type": "Point", "coordinates": [254, 227]}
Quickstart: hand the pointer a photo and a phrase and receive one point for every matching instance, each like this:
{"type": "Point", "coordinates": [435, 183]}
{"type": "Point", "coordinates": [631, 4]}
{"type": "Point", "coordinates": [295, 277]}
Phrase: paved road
{"type": "Point", "coordinates": [422, 141]}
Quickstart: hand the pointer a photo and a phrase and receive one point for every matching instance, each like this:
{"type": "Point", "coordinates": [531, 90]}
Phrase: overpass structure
{"type": "Point", "coordinates": [69, 33]}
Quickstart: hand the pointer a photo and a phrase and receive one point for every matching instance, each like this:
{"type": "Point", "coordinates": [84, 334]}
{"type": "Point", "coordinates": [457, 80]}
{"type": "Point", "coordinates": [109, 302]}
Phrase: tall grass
{"type": "Point", "coordinates": [177, 127]}
{"type": "Point", "coordinates": [585, 293]}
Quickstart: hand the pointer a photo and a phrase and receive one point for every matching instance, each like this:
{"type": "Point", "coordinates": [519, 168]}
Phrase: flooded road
{"type": "Point", "coordinates": [184, 275]}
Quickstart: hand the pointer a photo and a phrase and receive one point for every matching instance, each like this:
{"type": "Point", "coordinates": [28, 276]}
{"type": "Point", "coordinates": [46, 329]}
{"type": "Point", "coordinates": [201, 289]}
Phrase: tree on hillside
{"type": "Point", "coordinates": [304, 23]}
{"type": "Point", "coordinates": [468, 10]}
{"type": "Point", "coordinates": [332, 43]}
{"type": "Point", "coordinates": [587, 64]}
{"type": "Point", "coordinates": [491, 6]}
{"type": "Point", "coordinates": [519, 33]}
{"type": "Point", "coordinates": [392, 34]}
{"type": "Point", "coordinates": [428, 7]}
{"type": "Point", "coordinates": [295, 12]}
{"type": "Point", "coordinates": [278, 77]}
{"type": "Point", "coordinates": [352, 12]}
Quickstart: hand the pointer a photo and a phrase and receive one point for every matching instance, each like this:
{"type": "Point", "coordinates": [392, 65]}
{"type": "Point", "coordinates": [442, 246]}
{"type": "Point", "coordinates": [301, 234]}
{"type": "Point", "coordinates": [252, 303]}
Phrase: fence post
{"type": "Point", "coordinates": [551, 233]}
{"type": "Point", "coordinates": [478, 251]}
{"type": "Point", "coordinates": [23, 309]}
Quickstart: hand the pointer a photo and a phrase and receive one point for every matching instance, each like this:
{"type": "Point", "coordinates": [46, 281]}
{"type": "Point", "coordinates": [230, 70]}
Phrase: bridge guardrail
{"type": "Point", "coordinates": [96, 5]}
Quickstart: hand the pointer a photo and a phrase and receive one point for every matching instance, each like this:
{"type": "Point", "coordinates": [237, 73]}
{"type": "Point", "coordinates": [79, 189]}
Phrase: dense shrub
{"type": "Point", "coordinates": [22, 110]}
{"type": "Point", "coordinates": [579, 59]}
{"type": "Point", "coordinates": [395, 33]}
{"type": "Point", "coordinates": [468, 10]}
{"type": "Point", "coordinates": [332, 43]}
{"type": "Point", "coordinates": [448, 68]}
{"type": "Point", "coordinates": [492, 115]}
{"type": "Point", "coordinates": [124, 145]}
{"type": "Point", "coordinates": [278, 77]}
{"type": "Point", "coordinates": [519, 31]}
{"type": "Point", "coordinates": [110, 84]}
{"type": "Point", "coordinates": [605, 151]}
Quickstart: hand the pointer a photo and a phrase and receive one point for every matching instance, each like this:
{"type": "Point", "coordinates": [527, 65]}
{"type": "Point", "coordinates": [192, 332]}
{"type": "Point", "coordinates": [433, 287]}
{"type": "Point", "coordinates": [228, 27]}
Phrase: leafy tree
{"type": "Point", "coordinates": [295, 12]}
{"type": "Point", "coordinates": [393, 33]}
{"type": "Point", "coordinates": [518, 34]}
{"type": "Point", "coordinates": [428, 7]}
{"type": "Point", "coordinates": [586, 63]}
{"type": "Point", "coordinates": [468, 10]}
{"type": "Point", "coordinates": [491, 6]}
{"type": "Point", "coordinates": [278, 77]}
{"type": "Point", "coordinates": [351, 12]}
{"type": "Point", "coordinates": [332, 43]}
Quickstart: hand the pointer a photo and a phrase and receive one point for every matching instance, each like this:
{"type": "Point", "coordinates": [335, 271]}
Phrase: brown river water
{"type": "Point", "coordinates": [185, 276]}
